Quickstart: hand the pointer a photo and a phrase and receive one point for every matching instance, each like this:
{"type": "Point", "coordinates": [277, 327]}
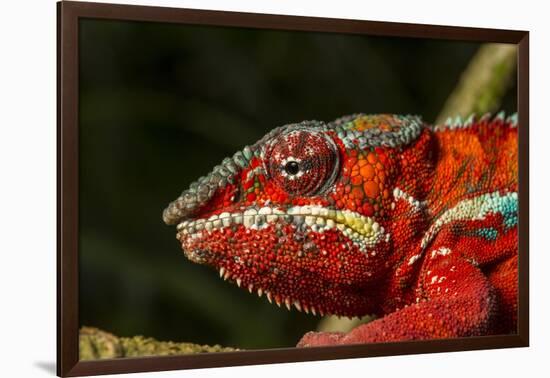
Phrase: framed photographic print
{"type": "Point", "coordinates": [238, 188]}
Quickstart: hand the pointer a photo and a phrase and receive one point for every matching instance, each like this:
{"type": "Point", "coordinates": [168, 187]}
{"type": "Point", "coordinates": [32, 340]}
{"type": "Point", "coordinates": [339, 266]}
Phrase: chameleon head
{"type": "Point", "coordinates": [297, 216]}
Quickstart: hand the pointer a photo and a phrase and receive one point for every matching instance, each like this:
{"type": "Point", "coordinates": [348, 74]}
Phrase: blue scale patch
{"type": "Point", "coordinates": [509, 211]}
{"type": "Point", "coordinates": [488, 233]}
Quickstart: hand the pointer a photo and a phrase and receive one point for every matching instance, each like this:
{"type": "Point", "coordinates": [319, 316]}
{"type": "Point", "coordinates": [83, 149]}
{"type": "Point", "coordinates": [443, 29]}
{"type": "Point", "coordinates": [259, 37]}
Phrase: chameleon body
{"type": "Point", "coordinates": [368, 215]}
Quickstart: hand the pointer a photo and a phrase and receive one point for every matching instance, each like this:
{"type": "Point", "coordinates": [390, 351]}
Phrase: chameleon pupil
{"type": "Point", "coordinates": [292, 168]}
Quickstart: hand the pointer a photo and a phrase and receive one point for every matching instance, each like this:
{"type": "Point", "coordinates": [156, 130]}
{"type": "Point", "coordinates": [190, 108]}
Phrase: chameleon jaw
{"type": "Point", "coordinates": [214, 241]}
{"type": "Point", "coordinates": [275, 297]}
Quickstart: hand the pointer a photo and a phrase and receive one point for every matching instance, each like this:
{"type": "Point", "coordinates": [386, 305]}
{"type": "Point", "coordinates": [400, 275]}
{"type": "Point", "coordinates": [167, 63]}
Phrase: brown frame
{"type": "Point", "coordinates": [68, 15]}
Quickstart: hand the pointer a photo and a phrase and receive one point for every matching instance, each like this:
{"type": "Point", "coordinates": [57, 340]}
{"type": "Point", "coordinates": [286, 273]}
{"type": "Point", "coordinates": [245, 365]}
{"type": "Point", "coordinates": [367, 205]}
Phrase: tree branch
{"type": "Point", "coordinates": [97, 344]}
{"type": "Point", "coordinates": [484, 82]}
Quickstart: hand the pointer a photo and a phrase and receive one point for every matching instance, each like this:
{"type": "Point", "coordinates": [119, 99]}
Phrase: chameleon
{"type": "Point", "coordinates": [370, 214]}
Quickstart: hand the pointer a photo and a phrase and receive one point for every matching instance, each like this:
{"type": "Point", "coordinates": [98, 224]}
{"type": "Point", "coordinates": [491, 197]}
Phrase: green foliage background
{"type": "Point", "coordinates": [161, 104]}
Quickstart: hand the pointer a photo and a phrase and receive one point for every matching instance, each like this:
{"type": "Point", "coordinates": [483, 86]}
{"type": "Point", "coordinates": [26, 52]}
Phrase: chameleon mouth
{"type": "Point", "coordinates": [363, 231]}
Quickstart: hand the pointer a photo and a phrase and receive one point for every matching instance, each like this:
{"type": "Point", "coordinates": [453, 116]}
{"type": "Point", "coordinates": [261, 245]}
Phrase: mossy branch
{"type": "Point", "coordinates": [97, 344]}
{"type": "Point", "coordinates": [484, 82]}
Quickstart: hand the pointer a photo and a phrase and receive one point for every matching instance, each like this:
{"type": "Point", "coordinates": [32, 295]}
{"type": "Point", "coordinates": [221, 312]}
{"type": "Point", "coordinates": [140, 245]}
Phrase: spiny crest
{"type": "Point", "coordinates": [459, 123]}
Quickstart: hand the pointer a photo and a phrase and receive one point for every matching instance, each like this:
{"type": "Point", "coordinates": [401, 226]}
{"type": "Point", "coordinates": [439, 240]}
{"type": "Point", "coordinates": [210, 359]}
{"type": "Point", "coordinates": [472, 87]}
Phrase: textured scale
{"type": "Point", "coordinates": [368, 215]}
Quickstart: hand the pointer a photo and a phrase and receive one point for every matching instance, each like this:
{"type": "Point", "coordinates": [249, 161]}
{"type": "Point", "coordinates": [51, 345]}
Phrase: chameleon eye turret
{"type": "Point", "coordinates": [302, 161]}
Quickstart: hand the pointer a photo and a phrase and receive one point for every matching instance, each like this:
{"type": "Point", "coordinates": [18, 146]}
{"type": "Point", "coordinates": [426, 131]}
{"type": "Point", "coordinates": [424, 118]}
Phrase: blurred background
{"type": "Point", "coordinates": [161, 104]}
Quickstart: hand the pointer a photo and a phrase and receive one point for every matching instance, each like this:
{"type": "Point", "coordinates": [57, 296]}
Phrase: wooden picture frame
{"type": "Point", "coordinates": [69, 15]}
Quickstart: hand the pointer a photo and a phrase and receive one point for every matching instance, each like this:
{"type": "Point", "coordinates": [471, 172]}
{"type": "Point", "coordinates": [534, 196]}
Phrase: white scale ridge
{"type": "Point", "coordinates": [362, 230]}
{"type": "Point", "coordinates": [476, 208]}
{"type": "Point", "coordinates": [415, 204]}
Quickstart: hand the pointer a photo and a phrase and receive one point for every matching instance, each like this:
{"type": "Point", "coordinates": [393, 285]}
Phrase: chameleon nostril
{"type": "Point", "coordinates": [236, 195]}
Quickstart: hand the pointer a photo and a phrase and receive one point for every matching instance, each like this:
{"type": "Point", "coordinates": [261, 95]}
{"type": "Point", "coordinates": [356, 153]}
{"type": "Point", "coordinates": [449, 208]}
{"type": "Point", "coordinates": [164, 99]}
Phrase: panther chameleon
{"type": "Point", "coordinates": [380, 215]}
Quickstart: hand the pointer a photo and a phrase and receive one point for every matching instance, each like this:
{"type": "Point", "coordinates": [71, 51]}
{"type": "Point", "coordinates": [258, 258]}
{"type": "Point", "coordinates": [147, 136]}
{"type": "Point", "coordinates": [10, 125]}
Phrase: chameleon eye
{"type": "Point", "coordinates": [302, 162]}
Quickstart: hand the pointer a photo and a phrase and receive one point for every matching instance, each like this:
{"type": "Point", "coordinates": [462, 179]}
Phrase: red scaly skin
{"type": "Point", "coordinates": [369, 214]}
